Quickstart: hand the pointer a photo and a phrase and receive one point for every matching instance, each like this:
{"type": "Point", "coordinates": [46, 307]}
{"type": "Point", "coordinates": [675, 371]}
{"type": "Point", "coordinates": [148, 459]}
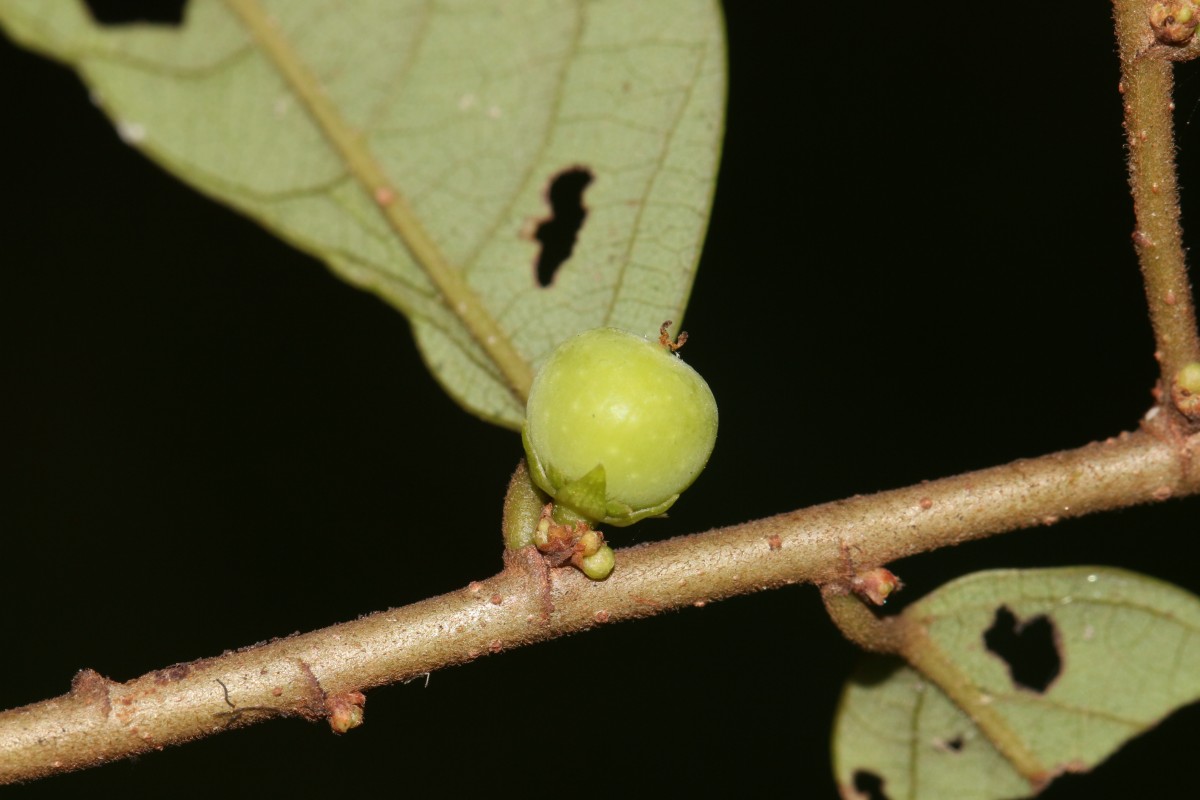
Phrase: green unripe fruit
{"type": "Point", "coordinates": [617, 426]}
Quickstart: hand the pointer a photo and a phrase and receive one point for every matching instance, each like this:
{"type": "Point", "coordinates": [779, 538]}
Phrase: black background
{"type": "Point", "coordinates": [918, 264]}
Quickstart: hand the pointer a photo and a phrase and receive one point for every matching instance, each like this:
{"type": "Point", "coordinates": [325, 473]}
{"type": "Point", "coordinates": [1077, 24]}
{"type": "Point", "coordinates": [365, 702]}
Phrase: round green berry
{"type": "Point", "coordinates": [617, 426]}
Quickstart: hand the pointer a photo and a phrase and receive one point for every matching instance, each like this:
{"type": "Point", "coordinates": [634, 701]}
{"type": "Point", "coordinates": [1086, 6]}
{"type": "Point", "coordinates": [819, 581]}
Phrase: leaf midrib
{"type": "Point", "coordinates": [351, 146]}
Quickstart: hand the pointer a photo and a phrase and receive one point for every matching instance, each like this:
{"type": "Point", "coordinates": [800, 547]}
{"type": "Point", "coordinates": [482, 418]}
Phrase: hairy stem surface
{"type": "Point", "coordinates": [313, 674]}
{"type": "Point", "coordinates": [1146, 86]}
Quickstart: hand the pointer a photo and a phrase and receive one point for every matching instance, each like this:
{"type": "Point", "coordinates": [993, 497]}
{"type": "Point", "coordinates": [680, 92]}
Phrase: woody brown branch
{"type": "Point", "coordinates": [101, 720]}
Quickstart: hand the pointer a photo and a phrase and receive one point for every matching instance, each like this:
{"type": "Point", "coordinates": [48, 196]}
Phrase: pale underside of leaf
{"type": "Point", "coordinates": [466, 111]}
{"type": "Point", "coordinates": [1130, 655]}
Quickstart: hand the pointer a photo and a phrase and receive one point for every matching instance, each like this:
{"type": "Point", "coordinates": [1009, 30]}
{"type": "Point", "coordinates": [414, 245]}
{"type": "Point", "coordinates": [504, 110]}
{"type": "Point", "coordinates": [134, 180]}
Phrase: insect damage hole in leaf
{"type": "Point", "coordinates": [954, 744]}
{"type": "Point", "coordinates": [124, 12]}
{"type": "Point", "coordinates": [560, 230]}
{"type": "Point", "coordinates": [1029, 648]}
{"type": "Point", "coordinates": [868, 785]}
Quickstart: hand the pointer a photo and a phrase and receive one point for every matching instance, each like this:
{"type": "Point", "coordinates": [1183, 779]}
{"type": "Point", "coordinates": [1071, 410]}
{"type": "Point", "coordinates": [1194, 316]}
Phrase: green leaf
{"type": "Point", "coordinates": [1129, 655]}
{"type": "Point", "coordinates": [409, 145]}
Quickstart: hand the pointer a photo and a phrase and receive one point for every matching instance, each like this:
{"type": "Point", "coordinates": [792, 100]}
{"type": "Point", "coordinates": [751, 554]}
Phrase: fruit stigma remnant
{"type": "Point", "coordinates": [617, 426]}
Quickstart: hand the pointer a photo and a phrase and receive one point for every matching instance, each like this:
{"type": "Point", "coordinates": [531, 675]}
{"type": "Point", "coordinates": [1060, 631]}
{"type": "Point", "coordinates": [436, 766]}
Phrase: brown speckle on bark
{"type": "Point", "coordinates": [92, 689]}
{"type": "Point", "coordinates": [171, 674]}
{"type": "Point", "coordinates": [314, 703]}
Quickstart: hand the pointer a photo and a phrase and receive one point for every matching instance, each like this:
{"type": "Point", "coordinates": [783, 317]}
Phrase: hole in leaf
{"type": "Point", "coordinates": [567, 213]}
{"type": "Point", "coordinates": [125, 12]}
{"type": "Point", "coordinates": [869, 785]}
{"type": "Point", "coordinates": [952, 745]}
{"type": "Point", "coordinates": [1029, 648]}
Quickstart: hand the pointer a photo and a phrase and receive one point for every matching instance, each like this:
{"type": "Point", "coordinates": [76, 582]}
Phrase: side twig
{"type": "Point", "coordinates": [1147, 48]}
